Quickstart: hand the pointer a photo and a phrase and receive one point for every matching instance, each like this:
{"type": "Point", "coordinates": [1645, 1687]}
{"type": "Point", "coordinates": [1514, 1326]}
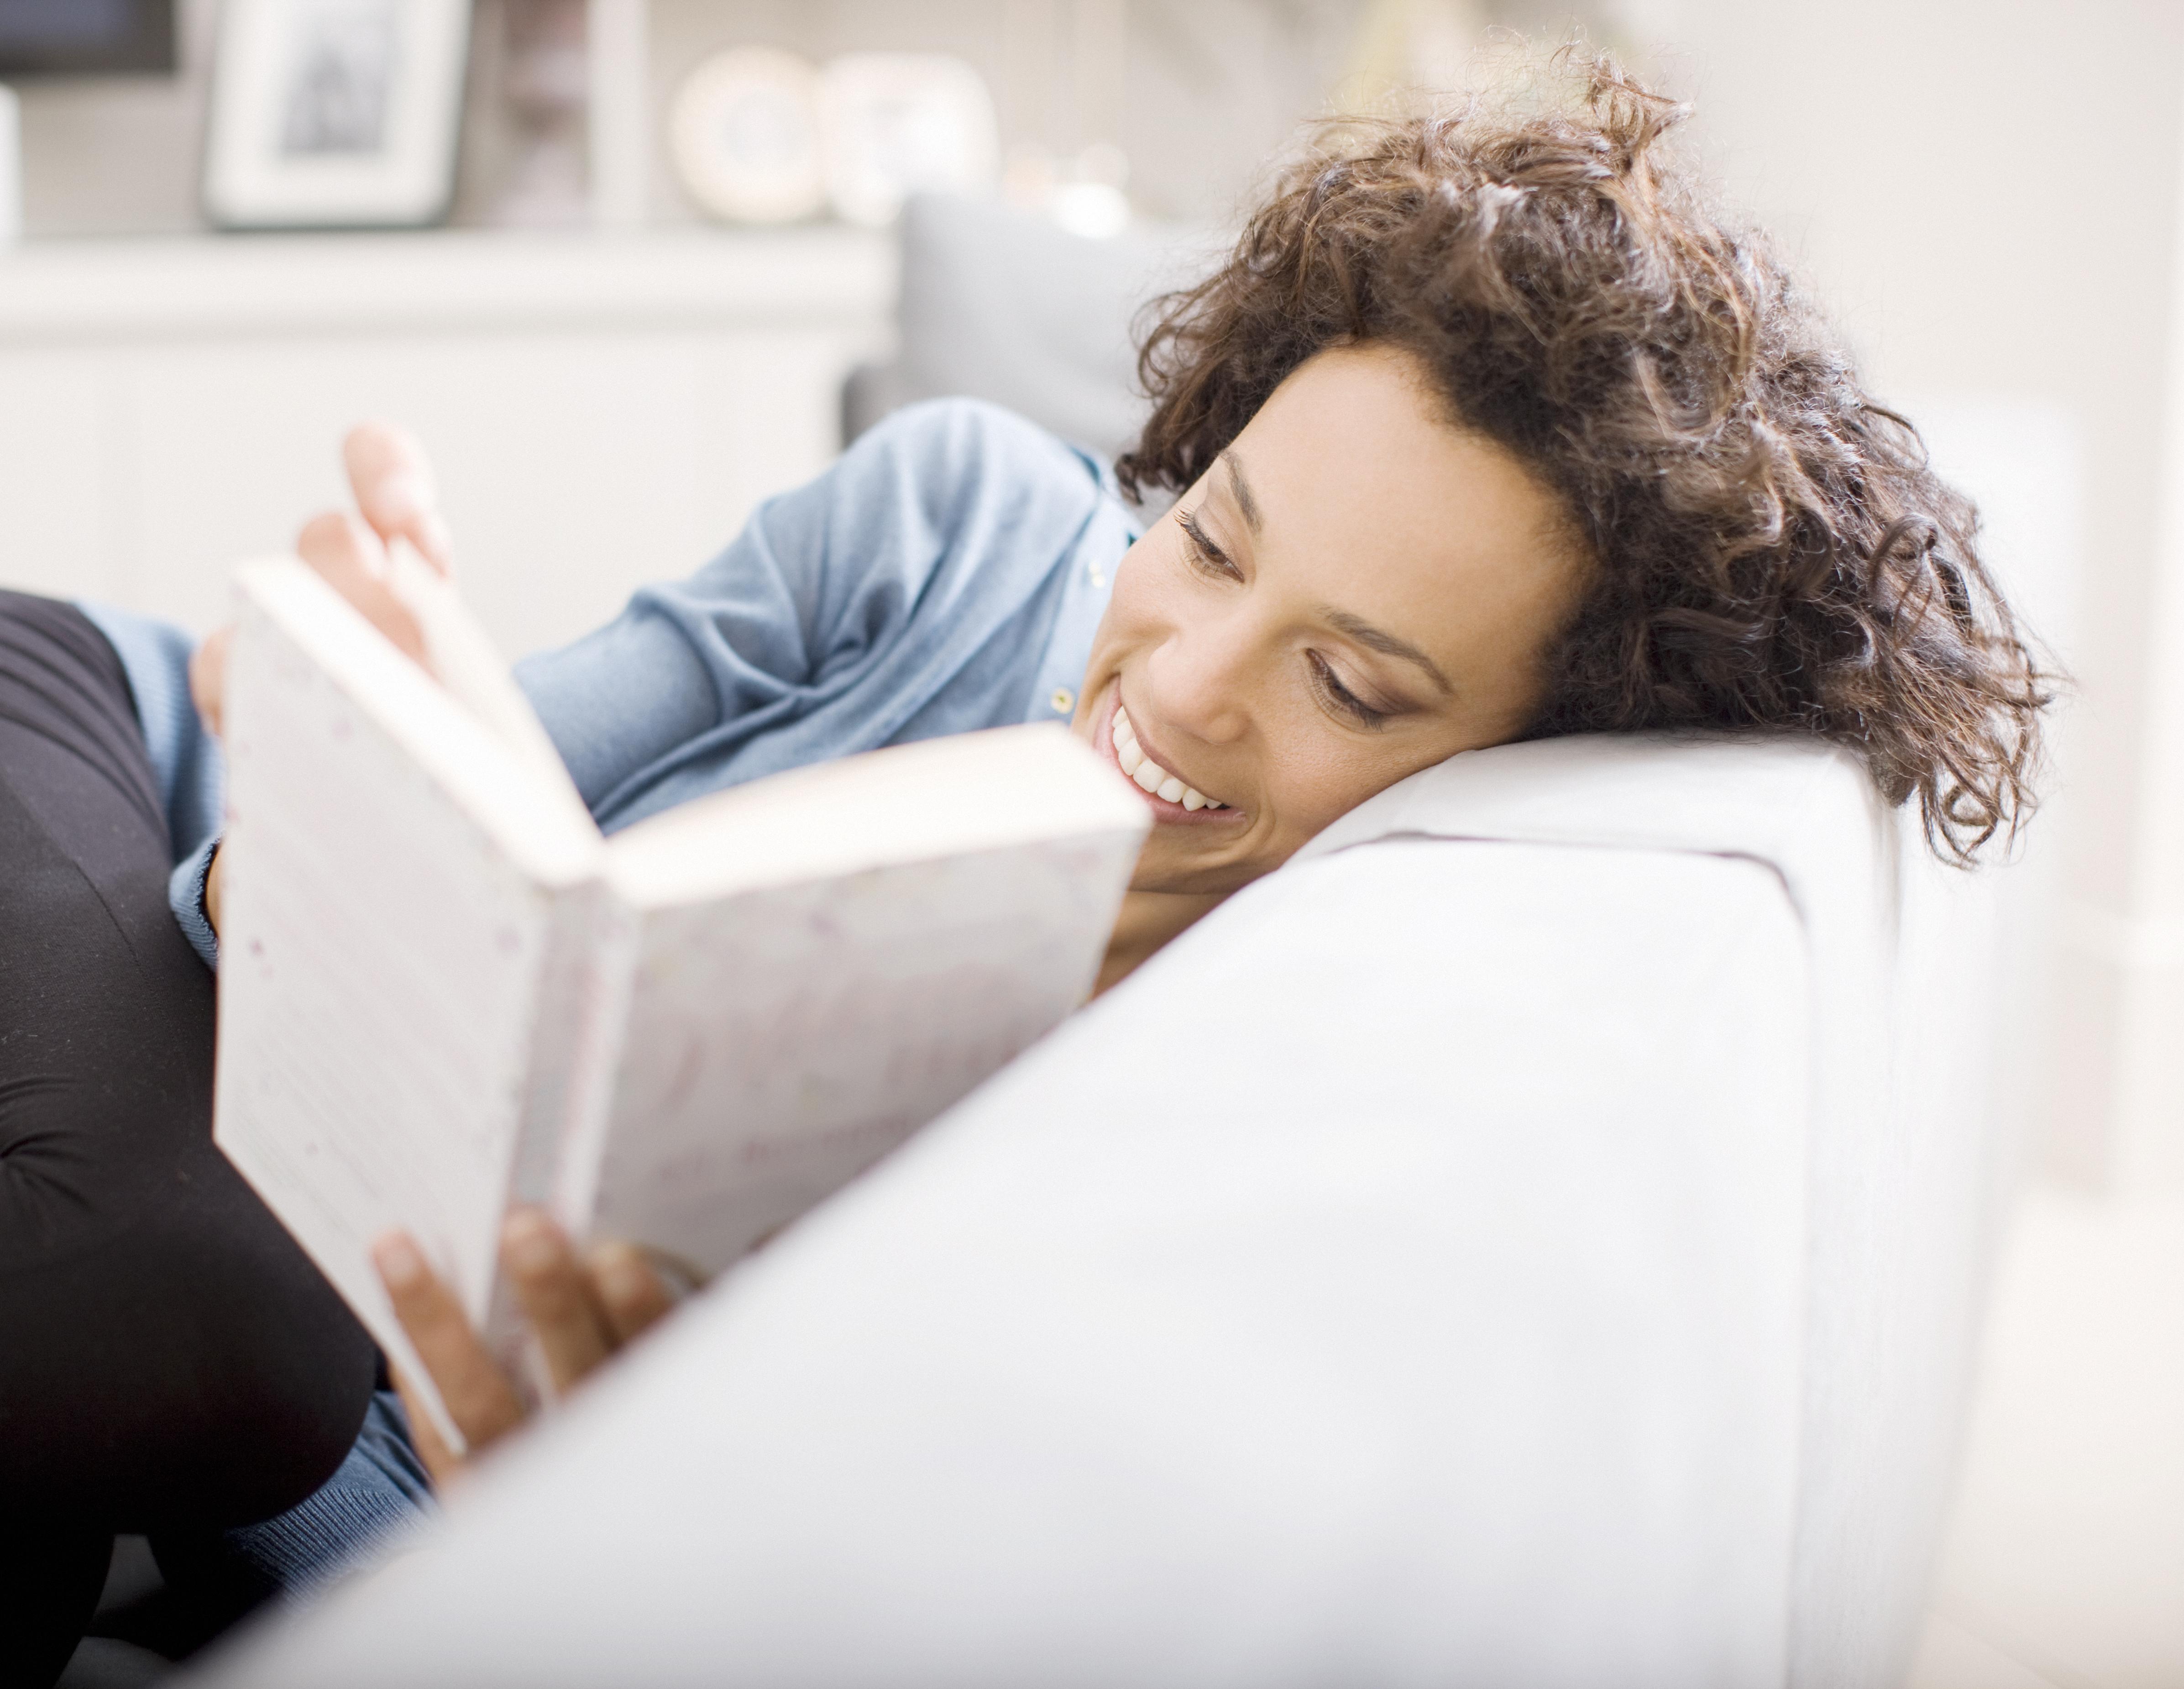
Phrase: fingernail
{"type": "Point", "coordinates": [400, 492]}
{"type": "Point", "coordinates": [528, 1241]}
{"type": "Point", "coordinates": [398, 1261]}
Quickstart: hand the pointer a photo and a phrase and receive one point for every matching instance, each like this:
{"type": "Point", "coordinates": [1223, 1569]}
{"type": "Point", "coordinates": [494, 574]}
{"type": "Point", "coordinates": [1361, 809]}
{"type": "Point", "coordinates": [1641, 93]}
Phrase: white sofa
{"type": "Point", "coordinates": [1530, 1240]}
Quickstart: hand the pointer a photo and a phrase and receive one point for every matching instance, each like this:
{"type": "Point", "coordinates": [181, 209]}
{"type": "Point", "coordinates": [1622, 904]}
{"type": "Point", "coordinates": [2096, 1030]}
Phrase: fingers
{"type": "Point", "coordinates": [441, 1463]}
{"type": "Point", "coordinates": [209, 678]}
{"type": "Point", "coordinates": [479, 1398]}
{"type": "Point", "coordinates": [629, 1292]}
{"type": "Point", "coordinates": [557, 1295]}
{"type": "Point", "coordinates": [395, 489]}
{"type": "Point", "coordinates": [353, 561]}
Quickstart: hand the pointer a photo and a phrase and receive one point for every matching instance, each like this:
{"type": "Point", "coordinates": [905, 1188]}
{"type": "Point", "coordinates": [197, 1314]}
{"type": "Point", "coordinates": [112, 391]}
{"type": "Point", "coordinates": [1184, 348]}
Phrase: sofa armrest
{"type": "Point", "coordinates": [1398, 1280]}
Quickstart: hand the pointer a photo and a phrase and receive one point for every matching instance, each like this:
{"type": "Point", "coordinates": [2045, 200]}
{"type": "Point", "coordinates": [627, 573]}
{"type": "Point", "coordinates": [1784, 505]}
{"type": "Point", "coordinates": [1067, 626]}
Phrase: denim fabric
{"type": "Point", "coordinates": [379, 1492]}
{"type": "Point", "coordinates": [946, 575]}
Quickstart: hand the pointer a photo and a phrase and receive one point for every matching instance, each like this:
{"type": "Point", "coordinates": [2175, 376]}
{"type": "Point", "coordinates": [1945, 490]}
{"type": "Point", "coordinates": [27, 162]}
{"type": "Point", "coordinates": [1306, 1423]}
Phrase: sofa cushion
{"type": "Point", "coordinates": [1000, 305]}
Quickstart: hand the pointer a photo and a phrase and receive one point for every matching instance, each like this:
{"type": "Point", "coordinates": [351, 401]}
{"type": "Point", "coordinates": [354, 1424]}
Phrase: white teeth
{"type": "Point", "coordinates": [1149, 774]}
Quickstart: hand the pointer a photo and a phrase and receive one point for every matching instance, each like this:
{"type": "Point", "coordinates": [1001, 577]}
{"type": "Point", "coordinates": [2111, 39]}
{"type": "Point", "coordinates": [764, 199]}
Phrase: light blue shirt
{"type": "Point", "coordinates": [945, 575]}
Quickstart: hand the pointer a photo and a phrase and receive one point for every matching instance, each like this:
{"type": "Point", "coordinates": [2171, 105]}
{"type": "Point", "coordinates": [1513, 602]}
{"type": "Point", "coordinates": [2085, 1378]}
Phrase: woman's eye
{"type": "Point", "coordinates": [1209, 558]}
{"type": "Point", "coordinates": [1340, 697]}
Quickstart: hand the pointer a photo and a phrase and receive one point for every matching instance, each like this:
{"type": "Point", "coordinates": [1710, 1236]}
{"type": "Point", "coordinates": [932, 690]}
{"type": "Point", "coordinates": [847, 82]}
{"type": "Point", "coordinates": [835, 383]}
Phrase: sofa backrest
{"type": "Point", "coordinates": [998, 303]}
{"type": "Point", "coordinates": [1528, 1240]}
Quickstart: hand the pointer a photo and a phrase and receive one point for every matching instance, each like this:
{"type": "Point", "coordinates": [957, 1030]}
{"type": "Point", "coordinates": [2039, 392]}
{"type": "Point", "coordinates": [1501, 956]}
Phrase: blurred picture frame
{"type": "Point", "coordinates": [335, 113]}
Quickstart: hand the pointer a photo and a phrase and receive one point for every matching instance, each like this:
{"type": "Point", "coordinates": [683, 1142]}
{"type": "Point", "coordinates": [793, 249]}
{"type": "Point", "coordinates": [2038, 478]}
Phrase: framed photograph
{"type": "Point", "coordinates": [86, 37]}
{"type": "Point", "coordinates": [335, 113]}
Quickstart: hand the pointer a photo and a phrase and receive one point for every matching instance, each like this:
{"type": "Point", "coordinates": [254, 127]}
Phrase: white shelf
{"type": "Point", "coordinates": [604, 409]}
{"type": "Point", "coordinates": [443, 280]}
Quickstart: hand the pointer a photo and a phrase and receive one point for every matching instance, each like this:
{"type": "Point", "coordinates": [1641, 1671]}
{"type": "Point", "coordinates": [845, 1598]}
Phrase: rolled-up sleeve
{"type": "Point", "coordinates": [897, 595]}
{"type": "Point", "coordinates": [945, 575]}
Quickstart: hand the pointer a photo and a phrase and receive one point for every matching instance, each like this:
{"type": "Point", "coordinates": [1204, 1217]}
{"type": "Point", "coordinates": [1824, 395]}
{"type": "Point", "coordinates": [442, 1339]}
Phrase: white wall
{"type": "Point", "coordinates": [1986, 192]}
{"type": "Point", "coordinates": [2148, 1138]}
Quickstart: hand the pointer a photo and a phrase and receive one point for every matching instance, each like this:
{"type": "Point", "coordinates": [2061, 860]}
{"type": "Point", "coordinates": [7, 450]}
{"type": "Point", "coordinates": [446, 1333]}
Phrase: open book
{"type": "Point", "coordinates": [442, 991]}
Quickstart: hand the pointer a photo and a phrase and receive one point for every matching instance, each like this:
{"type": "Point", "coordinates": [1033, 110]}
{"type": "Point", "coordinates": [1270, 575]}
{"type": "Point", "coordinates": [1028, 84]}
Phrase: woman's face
{"type": "Point", "coordinates": [1355, 592]}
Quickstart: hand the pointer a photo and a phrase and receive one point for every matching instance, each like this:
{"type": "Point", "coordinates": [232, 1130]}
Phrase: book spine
{"type": "Point", "coordinates": [553, 1091]}
{"type": "Point", "coordinates": [594, 1070]}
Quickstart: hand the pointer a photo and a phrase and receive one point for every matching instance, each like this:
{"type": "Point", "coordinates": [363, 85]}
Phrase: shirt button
{"type": "Point", "coordinates": [1092, 573]}
{"type": "Point", "coordinates": [1064, 700]}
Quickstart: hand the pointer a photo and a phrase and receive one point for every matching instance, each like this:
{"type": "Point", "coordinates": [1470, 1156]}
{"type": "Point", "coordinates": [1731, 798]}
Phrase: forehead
{"type": "Point", "coordinates": [1370, 500]}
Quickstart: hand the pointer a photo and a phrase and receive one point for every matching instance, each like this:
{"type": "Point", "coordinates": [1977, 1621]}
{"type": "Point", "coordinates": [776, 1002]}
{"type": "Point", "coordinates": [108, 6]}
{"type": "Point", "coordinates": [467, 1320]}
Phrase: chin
{"type": "Point", "coordinates": [1171, 872]}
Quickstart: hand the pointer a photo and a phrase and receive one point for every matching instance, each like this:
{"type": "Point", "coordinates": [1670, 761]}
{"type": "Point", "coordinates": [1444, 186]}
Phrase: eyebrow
{"type": "Point", "coordinates": [1242, 490]}
{"type": "Point", "coordinates": [1387, 644]}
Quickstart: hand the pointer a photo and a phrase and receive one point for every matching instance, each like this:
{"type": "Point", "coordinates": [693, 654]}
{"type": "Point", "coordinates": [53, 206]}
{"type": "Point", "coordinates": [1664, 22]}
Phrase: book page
{"type": "Point", "coordinates": [781, 1041]}
{"type": "Point", "coordinates": [381, 949]}
{"type": "Point", "coordinates": [932, 798]}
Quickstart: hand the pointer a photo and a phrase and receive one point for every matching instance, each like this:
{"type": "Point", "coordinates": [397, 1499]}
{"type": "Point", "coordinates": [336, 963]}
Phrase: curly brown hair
{"type": "Point", "coordinates": [1770, 547]}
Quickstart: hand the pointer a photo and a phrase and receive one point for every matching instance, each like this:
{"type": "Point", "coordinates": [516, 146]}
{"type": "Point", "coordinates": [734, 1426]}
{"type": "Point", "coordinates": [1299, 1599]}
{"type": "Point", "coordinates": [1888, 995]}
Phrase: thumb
{"type": "Point", "coordinates": [396, 491]}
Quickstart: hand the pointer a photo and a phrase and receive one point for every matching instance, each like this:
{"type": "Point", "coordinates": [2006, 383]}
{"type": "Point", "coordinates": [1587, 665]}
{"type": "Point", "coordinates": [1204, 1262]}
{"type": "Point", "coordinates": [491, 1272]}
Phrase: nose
{"type": "Point", "coordinates": [1198, 680]}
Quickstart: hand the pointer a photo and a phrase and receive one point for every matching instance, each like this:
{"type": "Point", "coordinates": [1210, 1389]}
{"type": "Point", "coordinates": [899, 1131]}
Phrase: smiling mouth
{"type": "Point", "coordinates": [1149, 774]}
{"type": "Point", "coordinates": [1172, 798]}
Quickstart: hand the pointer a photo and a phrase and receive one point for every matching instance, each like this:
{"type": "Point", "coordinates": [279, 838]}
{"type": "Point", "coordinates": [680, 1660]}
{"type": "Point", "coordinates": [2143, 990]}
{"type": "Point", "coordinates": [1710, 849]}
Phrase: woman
{"type": "Point", "coordinates": [1486, 429]}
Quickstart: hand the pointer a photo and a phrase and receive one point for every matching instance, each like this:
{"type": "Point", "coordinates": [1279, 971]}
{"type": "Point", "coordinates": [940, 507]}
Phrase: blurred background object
{"type": "Point", "coordinates": [745, 129]}
{"type": "Point", "coordinates": [339, 113]}
{"type": "Point", "coordinates": [760, 136]}
{"type": "Point", "coordinates": [86, 37]}
{"type": "Point", "coordinates": [896, 124]}
{"type": "Point", "coordinates": [1988, 197]}
{"type": "Point", "coordinates": [545, 88]}
{"type": "Point", "coordinates": [11, 166]}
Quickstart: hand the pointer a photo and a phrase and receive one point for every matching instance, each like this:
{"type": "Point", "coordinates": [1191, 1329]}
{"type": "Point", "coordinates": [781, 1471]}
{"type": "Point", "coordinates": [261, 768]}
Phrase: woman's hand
{"type": "Point", "coordinates": [396, 499]}
{"type": "Point", "coordinates": [583, 1309]}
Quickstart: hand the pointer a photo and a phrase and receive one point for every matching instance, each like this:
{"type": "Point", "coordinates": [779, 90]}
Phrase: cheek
{"type": "Point", "coordinates": [1140, 615]}
{"type": "Point", "coordinates": [1143, 599]}
{"type": "Point", "coordinates": [1316, 775]}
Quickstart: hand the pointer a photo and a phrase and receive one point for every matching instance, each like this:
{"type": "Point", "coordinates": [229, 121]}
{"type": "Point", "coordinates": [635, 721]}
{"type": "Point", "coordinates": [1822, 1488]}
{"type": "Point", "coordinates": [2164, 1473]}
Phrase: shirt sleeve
{"type": "Point", "coordinates": [913, 589]}
{"type": "Point", "coordinates": [185, 757]}
{"type": "Point", "coordinates": [186, 897]}
{"type": "Point", "coordinates": [868, 603]}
